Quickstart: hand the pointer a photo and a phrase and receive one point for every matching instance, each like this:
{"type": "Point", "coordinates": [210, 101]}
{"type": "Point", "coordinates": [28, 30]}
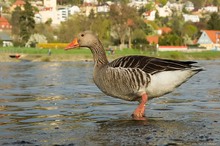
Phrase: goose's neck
{"type": "Point", "coordinates": [99, 55]}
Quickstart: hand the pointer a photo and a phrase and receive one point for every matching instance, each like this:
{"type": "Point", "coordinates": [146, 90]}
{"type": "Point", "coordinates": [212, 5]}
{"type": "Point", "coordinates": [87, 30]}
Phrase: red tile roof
{"type": "Point", "coordinates": [165, 29]}
{"type": "Point", "coordinates": [153, 39]}
{"type": "Point", "coordinates": [213, 35]}
{"type": "Point", "coordinates": [19, 3]}
{"type": "Point", "coordinates": [4, 24]}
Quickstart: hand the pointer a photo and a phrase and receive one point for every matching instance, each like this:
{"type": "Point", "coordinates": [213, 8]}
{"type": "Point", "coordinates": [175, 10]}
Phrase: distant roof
{"type": "Point", "coordinates": [153, 39]}
{"type": "Point", "coordinates": [19, 3]}
{"type": "Point", "coordinates": [165, 29]}
{"type": "Point", "coordinates": [213, 34]}
{"type": "Point", "coordinates": [4, 24]}
{"type": "Point", "coordinates": [5, 37]}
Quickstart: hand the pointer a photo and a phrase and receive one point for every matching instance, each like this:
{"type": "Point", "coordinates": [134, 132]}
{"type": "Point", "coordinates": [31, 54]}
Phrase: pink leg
{"type": "Point", "coordinates": [139, 111]}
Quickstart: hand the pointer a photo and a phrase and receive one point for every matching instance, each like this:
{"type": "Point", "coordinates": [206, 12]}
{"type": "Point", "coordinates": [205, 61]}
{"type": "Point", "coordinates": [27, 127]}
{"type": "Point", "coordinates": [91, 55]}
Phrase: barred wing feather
{"type": "Point", "coordinates": [151, 65]}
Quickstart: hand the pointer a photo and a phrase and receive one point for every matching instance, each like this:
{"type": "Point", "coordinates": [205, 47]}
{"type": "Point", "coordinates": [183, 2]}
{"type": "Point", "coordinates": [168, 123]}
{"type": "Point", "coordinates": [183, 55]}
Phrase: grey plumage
{"type": "Point", "coordinates": [130, 77]}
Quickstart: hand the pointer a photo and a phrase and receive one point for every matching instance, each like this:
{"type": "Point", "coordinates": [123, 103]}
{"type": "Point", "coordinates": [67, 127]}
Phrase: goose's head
{"type": "Point", "coordinates": [84, 39]}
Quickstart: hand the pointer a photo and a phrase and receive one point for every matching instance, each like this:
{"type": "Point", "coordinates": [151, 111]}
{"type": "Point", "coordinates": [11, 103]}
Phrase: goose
{"type": "Point", "coordinates": [134, 78]}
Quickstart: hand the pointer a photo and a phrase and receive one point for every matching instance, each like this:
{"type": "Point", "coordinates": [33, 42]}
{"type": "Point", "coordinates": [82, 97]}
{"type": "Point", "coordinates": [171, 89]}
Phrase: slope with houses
{"type": "Point", "coordinates": [48, 9]}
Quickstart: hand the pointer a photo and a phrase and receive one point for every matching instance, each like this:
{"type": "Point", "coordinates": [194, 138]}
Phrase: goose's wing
{"type": "Point", "coordinates": [151, 65]}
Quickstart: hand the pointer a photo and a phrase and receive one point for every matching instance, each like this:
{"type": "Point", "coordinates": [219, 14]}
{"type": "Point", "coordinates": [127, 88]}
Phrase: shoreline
{"type": "Point", "coordinates": [44, 58]}
{"type": "Point", "coordinates": [4, 57]}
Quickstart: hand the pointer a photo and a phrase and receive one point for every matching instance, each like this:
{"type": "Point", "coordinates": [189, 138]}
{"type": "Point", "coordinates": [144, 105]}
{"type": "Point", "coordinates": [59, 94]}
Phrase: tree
{"type": "Point", "coordinates": [139, 38]}
{"type": "Point", "coordinates": [150, 6]}
{"type": "Point", "coordinates": [190, 30]}
{"type": "Point", "coordinates": [214, 22]}
{"type": "Point", "coordinates": [171, 39]}
{"type": "Point", "coordinates": [15, 18]}
{"type": "Point", "coordinates": [162, 2]}
{"type": "Point", "coordinates": [27, 22]}
{"type": "Point", "coordinates": [35, 39]}
{"type": "Point", "coordinates": [102, 29]}
{"type": "Point", "coordinates": [215, 2]}
{"type": "Point", "coordinates": [74, 24]}
{"type": "Point", "coordinates": [46, 30]}
{"type": "Point", "coordinates": [124, 20]}
{"type": "Point", "coordinates": [71, 2]}
{"type": "Point", "coordinates": [91, 14]}
{"type": "Point", "coordinates": [176, 24]}
{"type": "Point", "coordinates": [198, 3]}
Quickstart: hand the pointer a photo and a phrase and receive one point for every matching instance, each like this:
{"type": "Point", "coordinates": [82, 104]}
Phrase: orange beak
{"type": "Point", "coordinates": [73, 44]}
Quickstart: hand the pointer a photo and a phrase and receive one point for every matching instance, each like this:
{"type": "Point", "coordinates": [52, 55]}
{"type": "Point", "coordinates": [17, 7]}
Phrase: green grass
{"type": "Point", "coordinates": [86, 53]}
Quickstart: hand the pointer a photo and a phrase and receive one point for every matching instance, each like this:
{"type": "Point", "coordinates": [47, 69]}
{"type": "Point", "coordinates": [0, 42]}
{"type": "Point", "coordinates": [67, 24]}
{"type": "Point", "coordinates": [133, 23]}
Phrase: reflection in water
{"type": "Point", "coordinates": [58, 103]}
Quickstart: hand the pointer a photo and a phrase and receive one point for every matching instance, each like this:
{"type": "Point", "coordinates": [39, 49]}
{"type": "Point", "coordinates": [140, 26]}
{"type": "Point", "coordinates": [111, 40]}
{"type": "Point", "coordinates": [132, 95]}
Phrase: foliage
{"type": "Point", "coordinates": [198, 3]}
{"type": "Point", "coordinates": [103, 29]}
{"type": "Point", "coordinates": [27, 22]}
{"type": "Point", "coordinates": [171, 39]}
{"type": "Point", "coordinates": [124, 20]}
{"type": "Point", "coordinates": [150, 6]}
{"type": "Point", "coordinates": [119, 17]}
{"type": "Point", "coordinates": [189, 29]}
{"type": "Point", "coordinates": [16, 14]}
{"type": "Point", "coordinates": [47, 30]}
{"type": "Point", "coordinates": [72, 2]}
{"type": "Point", "coordinates": [176, 24]}
{"type": "Point", "coordinates": [23, 23]}
{"type": "Point", "coordinates": [68, 29]}
{"type": "Point", "coordinates": [35, 39]}
{"type": "Point", "coordinates": [139, 39]}
{"type": "Point", "coordinates": [214, 22]}
{"type": "Point", "coordinates": [162, 2]}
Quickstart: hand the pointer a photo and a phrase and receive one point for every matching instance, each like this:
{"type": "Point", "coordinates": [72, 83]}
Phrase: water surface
{"type": "Point", "coordinates": [57, 103]}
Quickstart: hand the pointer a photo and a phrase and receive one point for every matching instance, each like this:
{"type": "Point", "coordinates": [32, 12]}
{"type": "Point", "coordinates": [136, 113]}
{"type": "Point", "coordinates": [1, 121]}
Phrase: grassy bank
{"type": "Point", "coordinates": [85, 54]}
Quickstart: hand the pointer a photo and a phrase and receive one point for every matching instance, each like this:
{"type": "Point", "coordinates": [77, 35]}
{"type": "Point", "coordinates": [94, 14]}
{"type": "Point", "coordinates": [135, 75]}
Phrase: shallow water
{"type": "Point", "coordinates": [57, 103]}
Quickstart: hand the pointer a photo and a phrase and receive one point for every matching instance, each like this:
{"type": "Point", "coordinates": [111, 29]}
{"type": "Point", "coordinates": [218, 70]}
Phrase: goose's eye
{"type": "Point", "coordinates": [82, 35]}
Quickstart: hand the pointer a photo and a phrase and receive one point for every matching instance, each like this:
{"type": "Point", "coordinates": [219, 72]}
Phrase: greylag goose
{"type": "Point", "coordinates": [134, 78]}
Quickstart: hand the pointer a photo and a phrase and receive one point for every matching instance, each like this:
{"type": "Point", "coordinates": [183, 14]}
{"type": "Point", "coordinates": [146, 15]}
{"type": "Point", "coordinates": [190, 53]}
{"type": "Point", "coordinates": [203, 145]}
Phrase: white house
{"type": "Point", "coordinates": [138, 3]}
{"type": "Point", "coordinates": [50, 10]}
{"type": "Point", "coordinates": [104, 8]}
{"type": "Point", "coordinates": [65, 12]}
{"type": "Point", "coordinates": [73, 10]}
{"type": "Point", "coordinates": [210, 39]}
{"type": "Point", "coordinates": [86, 9]}
{"type": "Point", "coordinates": [150, 15]}
{"type": "Point", "coordinates": [189, 6]}
{"type": "Point", "coordinates": [175, 6]}
{"type": "Point", "coordinates": [210, 9]}
{"type": "Point", "coordinates": [193, 18]}
{"type": "Point", "coordinates": [91, 1]}
{"type": "Point", "coordinates": [164, 11]}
